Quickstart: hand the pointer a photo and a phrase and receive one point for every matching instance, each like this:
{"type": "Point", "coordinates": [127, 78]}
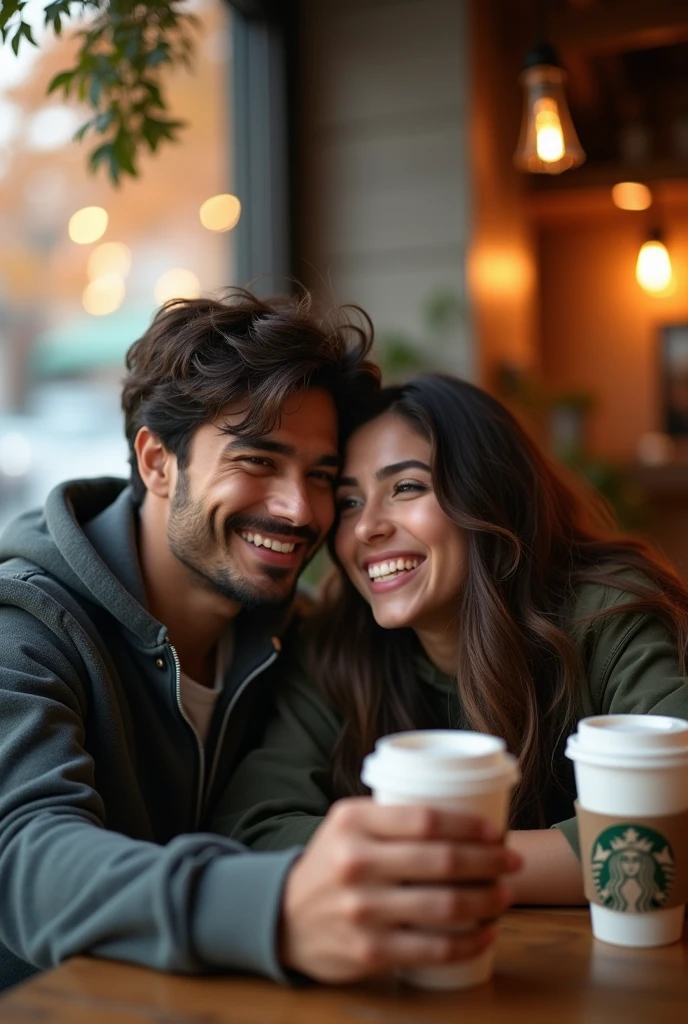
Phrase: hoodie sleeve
{"type": "Point", "coordinates": [68, 885]}
{"type": "Point", "coordinates": [633, 669]}
{"type": "Point", "coordinates": [281, 791]}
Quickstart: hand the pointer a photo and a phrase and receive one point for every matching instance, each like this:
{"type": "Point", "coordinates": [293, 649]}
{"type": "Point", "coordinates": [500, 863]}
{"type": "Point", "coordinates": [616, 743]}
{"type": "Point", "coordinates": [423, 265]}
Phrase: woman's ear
{"type": "Point", "coordinates": [157, 465]}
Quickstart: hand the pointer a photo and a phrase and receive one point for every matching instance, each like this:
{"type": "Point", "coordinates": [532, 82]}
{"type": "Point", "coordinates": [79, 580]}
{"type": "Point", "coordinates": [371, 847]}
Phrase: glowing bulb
{"type": "Point", "coordinates": [549, 135]}
{"type": "Point", "coordinates": [109, 258]}
{"type": "Point", "coordinates": [104, 295]}
{"type": "Point", "coordinates": [88, 225]}
{"type": "Point", "coordinates": [220, 213]}
{"type": "Point", "coordinates": [631, 195]}
{"type": "Point", "coordinates": [653, 269]}
{"type": "Point", "coordinates": [177, 284]}
{"type": "Point", "coordinates": [547, 143]}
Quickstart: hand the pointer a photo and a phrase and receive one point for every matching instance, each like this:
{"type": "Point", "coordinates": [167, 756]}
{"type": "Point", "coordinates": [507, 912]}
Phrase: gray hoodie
{"type": "Point", "coordinates": [106, 794]}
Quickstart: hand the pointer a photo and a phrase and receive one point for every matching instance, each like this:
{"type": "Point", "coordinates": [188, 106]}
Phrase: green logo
{"type": "Point", "coordinates": [633, 868]}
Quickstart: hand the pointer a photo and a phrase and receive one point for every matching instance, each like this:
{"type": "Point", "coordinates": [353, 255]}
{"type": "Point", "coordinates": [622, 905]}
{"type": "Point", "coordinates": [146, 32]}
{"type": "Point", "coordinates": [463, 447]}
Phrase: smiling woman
{"type": "Point", "coordinates": [475, 589]}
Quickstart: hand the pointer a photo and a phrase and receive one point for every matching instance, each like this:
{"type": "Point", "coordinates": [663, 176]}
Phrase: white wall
{"type": "Point", "coordinates": [384, 167]}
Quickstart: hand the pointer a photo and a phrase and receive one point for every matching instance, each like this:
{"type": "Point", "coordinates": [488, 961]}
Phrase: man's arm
{"type": "Point", "coordinates": [68, 885]}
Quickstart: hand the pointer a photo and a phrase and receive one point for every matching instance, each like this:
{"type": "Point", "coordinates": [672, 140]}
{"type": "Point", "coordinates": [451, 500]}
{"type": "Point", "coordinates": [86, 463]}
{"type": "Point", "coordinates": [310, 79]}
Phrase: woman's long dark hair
{"type": "Point", "coordinates": [532, 540]}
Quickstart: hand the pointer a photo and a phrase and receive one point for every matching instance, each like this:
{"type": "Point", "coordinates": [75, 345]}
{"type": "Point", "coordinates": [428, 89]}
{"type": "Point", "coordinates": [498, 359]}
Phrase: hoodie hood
{"type": "Point", "coordinates": [77, 539]}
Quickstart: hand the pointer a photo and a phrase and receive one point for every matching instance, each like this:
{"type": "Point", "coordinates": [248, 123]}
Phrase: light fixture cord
{"type": "Point", "coordinates": [540, 22]}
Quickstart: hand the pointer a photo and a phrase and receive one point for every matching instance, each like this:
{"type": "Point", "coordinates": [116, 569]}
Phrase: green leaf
{"type": "Point", "coordinates": [103, 121]}
{"type": "Point", "coordinates": [100, 155]}
{"type": "Point", "coordinates": [160, 55]}
{"type": "Point", "coordinates": [154, 130]}
{"type": "Point", "coordinates": [61, 81]}
{"type": "Point", "coordinates": [124, 149]}
{"type": "Point", "coordinates": [8, 9]}
{"type": "Point", "coordinates": [80, 132]}
{"type": "Point", "coordinates": [95, 90]}
{"type": "Point", "coordinates": [25, 30]}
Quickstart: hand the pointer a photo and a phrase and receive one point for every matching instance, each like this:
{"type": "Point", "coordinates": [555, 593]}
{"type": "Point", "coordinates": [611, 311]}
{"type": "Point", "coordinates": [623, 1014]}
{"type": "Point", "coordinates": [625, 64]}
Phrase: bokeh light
{"type": "Point", "coordinates": [220, 213]}
{"type": "Point", "coordinates": [109, 258]}
{"type": "Point", "coordinates": [104, 295]}
{"type": "Point", "coordinates": [177, 284]}
{"type": "Point", "coordinates": [631, 195]}
{"type": "Point", "coordinates": [88, 225]}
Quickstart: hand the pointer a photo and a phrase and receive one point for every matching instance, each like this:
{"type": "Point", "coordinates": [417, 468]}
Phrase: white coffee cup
{"type": "Point", "coordinates": [450, 770]}
{"type": "Point", "coordinates": [631, 767]}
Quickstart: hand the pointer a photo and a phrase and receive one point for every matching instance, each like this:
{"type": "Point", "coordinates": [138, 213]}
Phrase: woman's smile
{"type": "Point", "coordinates": [391, 570]}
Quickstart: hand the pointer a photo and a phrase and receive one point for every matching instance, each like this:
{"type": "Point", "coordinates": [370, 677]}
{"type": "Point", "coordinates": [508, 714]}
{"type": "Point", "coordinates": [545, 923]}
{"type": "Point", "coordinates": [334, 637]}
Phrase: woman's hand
{"type": "Point", "coordinates": [379, 887]}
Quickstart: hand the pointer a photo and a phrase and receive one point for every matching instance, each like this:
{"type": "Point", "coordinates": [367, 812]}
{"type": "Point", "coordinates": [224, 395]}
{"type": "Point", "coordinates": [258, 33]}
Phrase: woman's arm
{"type": "Point", "coordinates": [279, 794]}
{"type": "Point", "coordinates": [551, 872]}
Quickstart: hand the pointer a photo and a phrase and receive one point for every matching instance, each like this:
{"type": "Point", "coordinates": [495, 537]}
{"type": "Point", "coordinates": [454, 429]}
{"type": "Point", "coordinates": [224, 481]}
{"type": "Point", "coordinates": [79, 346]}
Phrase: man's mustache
{"type": "Point", "coordinates": [256, 525]}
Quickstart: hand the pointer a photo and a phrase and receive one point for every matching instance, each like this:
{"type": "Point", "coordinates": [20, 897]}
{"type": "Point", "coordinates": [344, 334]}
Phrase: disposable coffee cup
{"type": "Point", "coordinates": [632, 810]}
{"type": "Point", "coordinates": [449, 770]}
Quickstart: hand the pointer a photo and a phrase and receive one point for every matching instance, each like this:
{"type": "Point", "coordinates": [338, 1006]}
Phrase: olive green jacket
{"type": "Point", "coordinates": [282, 789]}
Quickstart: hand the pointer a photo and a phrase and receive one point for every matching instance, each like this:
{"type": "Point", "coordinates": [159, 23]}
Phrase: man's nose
{"type": "Point", "coordinates": [290, 501]}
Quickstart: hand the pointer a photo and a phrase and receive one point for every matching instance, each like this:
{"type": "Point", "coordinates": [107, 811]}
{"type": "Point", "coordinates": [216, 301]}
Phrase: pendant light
{"type": "Point", "coordinates": [548, 143]}
{"type": "Point", "coordinates": [653, 267]}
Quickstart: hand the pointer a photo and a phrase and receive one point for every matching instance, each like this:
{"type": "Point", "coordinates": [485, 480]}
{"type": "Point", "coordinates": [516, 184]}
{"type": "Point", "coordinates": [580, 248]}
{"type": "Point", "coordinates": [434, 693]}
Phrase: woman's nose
{"type": "Point", "coordinates": [372, 526]}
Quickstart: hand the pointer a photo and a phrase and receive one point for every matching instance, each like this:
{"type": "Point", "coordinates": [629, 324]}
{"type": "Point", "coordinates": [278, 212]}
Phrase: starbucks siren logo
{"type": "Point", "coordinates": [633, 868]}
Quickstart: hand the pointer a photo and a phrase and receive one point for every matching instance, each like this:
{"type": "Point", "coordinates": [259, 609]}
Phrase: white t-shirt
{"type": "Point", "coordinates": [199, 701]}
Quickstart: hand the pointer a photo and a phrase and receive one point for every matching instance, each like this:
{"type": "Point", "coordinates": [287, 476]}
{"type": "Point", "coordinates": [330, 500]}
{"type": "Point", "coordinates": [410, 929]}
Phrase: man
{"type": "Point", "coordinates": [139, 630]}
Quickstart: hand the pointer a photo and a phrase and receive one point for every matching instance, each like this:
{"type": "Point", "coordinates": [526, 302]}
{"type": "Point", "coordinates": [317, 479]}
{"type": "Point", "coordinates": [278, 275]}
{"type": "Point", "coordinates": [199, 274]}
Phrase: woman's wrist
{"type": "Point", "coordinates": [551, 872]}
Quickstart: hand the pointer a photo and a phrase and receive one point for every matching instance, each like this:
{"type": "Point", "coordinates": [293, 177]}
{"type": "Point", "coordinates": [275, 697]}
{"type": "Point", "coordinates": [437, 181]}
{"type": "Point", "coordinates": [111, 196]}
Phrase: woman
{"type": "Point", "coordinates": [475, 589]}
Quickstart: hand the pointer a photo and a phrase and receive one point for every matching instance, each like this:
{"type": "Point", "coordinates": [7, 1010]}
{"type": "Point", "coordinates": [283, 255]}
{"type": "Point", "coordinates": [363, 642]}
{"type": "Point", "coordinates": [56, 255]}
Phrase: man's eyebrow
{"type": "Point", "coordinates": [267, 444]}
{"type": "Point", "coordinates": [386, 471]}
{"type": "Point", "coordinates": [260, 444]}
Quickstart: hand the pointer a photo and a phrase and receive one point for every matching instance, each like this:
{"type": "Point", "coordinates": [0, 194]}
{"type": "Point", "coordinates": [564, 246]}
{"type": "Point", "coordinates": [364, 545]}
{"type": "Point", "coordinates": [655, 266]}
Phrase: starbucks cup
{"type": "Point", "coordinates": [450, 770]}
{"type": "Point", "coordinates": [632, 809]}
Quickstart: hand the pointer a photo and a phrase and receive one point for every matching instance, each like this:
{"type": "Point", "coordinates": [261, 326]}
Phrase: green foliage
{"type": "Point", "coordinates": [402, 355]}
{"type": "Point", "coordinates": [124, 45]}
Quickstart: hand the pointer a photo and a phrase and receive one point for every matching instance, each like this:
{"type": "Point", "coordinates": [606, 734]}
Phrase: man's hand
{"type": "Point", "coordinates": [379, 887]}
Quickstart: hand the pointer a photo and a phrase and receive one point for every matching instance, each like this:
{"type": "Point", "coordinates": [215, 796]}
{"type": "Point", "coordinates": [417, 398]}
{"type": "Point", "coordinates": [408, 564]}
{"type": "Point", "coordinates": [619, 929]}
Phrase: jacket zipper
{"type": "Point", "coordinates": [199, 745]}
{"type": "Point", "coordinates": [232, 704]}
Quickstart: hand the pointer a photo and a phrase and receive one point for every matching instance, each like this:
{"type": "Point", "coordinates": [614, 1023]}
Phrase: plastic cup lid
{"type": "Point", "coordinates": [442, 757]}
{"type": "Point", "coordinates": [634, 737]}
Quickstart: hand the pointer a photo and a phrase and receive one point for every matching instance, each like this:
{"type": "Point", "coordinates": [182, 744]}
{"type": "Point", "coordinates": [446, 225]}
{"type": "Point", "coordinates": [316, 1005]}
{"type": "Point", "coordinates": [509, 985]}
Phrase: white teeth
{"type": "Point", "coordinates": [284, 547]}
{"type": "Point", "coordinates": [389, 570]}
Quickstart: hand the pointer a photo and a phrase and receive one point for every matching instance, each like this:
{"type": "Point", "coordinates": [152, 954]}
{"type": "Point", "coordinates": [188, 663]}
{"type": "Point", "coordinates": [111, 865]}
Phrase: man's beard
{"type": "Point", "coordinates": [192, 541]}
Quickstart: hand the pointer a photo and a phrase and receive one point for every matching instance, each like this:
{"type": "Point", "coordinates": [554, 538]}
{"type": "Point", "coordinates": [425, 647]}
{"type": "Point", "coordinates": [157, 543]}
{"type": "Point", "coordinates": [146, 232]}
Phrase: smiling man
{"type": "Point", "coordinates": [138, 626]}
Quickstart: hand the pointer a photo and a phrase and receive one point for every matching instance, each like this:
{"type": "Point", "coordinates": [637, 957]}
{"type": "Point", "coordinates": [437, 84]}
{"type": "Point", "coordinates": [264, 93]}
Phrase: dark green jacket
{"type": "Point", "coordinates": [107, 797]}
{"type": "Point", "coordinates": [278, 796]}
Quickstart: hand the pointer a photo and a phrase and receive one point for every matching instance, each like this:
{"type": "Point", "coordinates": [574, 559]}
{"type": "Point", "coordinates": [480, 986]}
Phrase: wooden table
{"type": "Point", "coordinates": [549, 969]}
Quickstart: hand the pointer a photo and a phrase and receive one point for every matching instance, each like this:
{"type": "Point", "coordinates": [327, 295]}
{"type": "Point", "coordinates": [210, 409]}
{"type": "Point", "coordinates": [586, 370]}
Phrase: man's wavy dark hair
{"type": "Point", "coordinates": [200, 355]}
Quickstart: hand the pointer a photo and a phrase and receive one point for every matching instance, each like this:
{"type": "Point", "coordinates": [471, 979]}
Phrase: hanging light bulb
{"type": "Point", "coordinates": [548, 143]}
{"type": "Point", "coordinates": [653, 267]}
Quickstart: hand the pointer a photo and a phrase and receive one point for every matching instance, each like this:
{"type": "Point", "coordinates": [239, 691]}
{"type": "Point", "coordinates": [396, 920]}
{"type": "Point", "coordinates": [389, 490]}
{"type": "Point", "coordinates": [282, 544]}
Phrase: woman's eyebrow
{"type": "Point", "coordinates": [399, 467]}
{"type": "Point", "coordinates": [386, 471]}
